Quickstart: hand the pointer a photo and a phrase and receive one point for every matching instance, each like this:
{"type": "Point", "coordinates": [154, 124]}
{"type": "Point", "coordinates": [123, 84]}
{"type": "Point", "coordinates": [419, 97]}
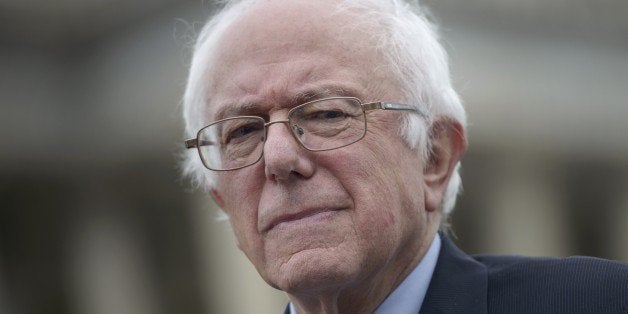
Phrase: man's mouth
{"type": "Point", "coordinates": [303, 217]}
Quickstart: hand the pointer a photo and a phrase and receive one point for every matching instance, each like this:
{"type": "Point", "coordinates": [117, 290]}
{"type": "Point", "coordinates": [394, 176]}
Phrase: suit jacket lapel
{"type": "Point", "coordinates": [458, 285]}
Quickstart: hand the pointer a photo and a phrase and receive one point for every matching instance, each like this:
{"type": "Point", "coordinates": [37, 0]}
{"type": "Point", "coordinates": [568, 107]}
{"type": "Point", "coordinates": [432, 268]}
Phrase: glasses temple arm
{"type": "Point", "coordinates": [392, 106]}
{"type": "Point", "coordinates": [192, 143]}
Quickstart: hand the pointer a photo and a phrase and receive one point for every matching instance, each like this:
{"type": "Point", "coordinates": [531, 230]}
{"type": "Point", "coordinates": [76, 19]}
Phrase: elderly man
{"type": "Point", "coordinates": [330, 134]}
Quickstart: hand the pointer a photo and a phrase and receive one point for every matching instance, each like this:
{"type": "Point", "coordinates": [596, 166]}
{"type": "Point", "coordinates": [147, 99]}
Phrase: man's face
{"type": "Point", "coordinates": [311, 220]}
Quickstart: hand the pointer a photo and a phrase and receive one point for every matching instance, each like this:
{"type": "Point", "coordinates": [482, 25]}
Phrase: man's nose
{"type": "Point", "coordinates": [283, 155]}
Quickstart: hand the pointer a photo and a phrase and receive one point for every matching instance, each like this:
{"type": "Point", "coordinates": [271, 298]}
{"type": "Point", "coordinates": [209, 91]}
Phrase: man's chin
{"type": "Point", "coordinates": [314, 270]}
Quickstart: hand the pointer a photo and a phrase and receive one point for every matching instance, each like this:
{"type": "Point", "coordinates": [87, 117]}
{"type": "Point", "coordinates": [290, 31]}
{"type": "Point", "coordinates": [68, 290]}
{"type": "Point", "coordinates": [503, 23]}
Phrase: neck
{"type": "Point", "coordinates": [366, 296]}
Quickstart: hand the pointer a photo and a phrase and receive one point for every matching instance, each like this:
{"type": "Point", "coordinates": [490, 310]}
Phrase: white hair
{"type": "Point", "coordinates": [401, 32]}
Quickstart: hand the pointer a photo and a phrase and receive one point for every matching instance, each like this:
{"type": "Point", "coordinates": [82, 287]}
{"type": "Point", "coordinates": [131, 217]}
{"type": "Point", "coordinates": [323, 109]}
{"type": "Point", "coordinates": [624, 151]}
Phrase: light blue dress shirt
{"type": "Point", "coordinates": [408, 297]}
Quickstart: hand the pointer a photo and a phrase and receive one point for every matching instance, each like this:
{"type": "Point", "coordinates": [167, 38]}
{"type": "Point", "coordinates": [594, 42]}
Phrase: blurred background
{"type": "Point", "coordinates": [95, 219]}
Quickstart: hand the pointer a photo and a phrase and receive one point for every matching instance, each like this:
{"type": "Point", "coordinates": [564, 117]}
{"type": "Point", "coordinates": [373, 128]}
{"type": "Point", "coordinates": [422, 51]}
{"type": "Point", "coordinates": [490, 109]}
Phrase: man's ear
{"type": "Point", "coordinates": [217, 198]}
{"type": "Point", "coordinates": [448, 144]}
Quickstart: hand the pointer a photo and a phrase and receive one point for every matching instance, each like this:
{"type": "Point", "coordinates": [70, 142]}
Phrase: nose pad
{"type": "Point", "coordinates": [298, 130]}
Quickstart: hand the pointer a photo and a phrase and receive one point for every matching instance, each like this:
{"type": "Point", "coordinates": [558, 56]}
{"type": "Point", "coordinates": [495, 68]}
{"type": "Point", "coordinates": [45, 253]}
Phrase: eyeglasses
{"type": "Point", "coordinates": [319, 125]}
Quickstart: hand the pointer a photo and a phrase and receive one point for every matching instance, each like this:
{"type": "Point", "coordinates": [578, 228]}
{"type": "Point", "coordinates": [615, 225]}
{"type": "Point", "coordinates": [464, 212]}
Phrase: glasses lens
{"type": "Point", "coordinates": [232, 143]}
{"type": "Point", "coordinates": [328, 124]}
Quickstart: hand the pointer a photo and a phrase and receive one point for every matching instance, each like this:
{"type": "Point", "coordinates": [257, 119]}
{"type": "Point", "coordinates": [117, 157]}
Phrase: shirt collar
{"type": "Point", "coordinates": [408, 296]}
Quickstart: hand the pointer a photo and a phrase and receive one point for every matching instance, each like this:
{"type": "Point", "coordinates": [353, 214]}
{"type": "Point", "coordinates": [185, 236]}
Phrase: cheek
{"type": "Point", "coordinates": [386, 190]}
{"type": "Point", "coordinates": [241, 194]}
{"type": "Point", "coordinates": [241, 191]}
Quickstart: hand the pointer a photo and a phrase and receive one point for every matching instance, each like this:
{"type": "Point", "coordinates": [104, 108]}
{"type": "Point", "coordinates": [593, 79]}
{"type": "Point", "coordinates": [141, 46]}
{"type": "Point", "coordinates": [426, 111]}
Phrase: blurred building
{"type": "Point", "coordinates": [95, 219]}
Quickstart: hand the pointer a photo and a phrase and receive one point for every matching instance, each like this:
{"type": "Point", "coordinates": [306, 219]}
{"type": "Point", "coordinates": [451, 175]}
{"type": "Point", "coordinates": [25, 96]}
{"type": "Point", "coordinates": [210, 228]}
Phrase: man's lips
{"type": "Point", "coordinates": [301, 215]}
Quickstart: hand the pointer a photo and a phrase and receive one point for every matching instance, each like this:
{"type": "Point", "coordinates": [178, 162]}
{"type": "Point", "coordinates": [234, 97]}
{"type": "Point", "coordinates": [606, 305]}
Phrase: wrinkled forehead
{"type": "Point", "coordinates": [299, 29]}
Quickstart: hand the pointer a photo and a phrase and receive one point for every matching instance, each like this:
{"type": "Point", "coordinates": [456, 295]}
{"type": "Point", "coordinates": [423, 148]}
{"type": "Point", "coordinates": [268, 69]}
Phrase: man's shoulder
{"type": "Point", "coordinates": [516, 284]}
{"type": "Point", "coordinates": [574, 283]}
{"type": "Point", "coordinates": [517, 265]}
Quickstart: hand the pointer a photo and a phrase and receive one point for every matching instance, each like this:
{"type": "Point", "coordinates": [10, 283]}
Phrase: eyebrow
{"type": "Point", "coordinates": [249, 108]}
{"type": "Point", "coordinates": [310, 95]}
{"type": "Point", "coordinates": [232, 110]}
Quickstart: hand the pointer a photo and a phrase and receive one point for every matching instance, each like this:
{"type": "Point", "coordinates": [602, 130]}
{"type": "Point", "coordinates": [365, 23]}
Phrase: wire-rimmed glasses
{"type": "Point", "coordinates": [319, 125]}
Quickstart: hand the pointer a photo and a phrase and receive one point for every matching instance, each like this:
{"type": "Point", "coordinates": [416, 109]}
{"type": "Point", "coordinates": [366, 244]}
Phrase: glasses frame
{"type": "Point", "coordinates": [368, 107]}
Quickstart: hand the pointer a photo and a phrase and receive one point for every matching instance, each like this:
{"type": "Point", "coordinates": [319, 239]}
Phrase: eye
{"type": "Point", "coordinates": [242, 132]}
{"type": "Point", "coordinates": [326, 115]}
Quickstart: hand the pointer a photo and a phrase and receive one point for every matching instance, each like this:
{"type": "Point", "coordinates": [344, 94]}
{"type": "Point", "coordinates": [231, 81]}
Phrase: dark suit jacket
{"type": "Point", "coordinates": [517, 284]}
